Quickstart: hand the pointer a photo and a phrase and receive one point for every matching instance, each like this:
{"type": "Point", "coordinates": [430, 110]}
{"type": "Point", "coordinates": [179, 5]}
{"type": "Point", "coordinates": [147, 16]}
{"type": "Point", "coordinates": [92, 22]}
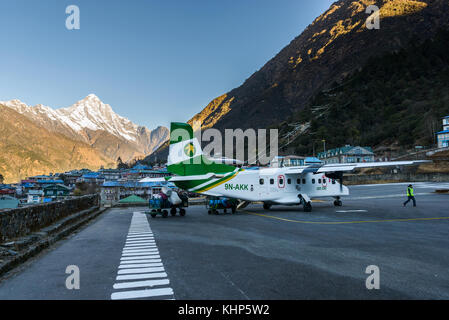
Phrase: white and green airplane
{"type": "Point", "coordinates": [195, 172]}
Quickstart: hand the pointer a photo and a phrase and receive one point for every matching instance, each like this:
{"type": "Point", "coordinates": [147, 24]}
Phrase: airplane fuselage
{"type": "Point", "coordinates": [274, 186]}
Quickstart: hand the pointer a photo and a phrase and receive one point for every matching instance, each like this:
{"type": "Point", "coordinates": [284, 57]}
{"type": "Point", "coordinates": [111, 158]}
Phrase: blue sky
{"type": "Point", "coordinates": [153, 61]}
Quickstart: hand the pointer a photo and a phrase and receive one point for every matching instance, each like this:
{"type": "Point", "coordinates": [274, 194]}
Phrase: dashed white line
{"type": "Point", "coordinates": [136, 284]}
{"type": "Point", "coordinates": [154, 275]}
{"type": "Point", "coordinates": [138, 258]}
{"type": "Point", "coordinates": [142, 293]}
{"type": "Point", "coordinates": [140, 265]}
{"type": "Point", "coordinates": [141, 270]}
{"type": "Point", "coordinates": [141, 261]}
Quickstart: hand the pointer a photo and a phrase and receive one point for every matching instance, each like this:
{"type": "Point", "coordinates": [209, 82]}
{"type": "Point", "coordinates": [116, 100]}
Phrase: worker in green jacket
{"type": "Point", "coordinates": [410, 196]}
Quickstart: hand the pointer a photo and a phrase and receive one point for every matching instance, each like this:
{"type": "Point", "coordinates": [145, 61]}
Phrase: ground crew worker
{"type": "Point", "coordinates": [410, 196]}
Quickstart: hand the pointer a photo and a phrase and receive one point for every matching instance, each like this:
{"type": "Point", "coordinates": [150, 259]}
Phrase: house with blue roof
{"type": "Point", "coordinates": [443, 136]}
{"type": "Point", "coordinates": [347, 154]}
{"type": "Point", "coordinates": [114, 191]}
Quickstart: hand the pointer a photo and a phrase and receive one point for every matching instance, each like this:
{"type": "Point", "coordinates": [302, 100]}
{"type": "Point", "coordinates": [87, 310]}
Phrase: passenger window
{"type": "Point", "coordinates": [261, 181]}
{"type": "Point", "coordinates": [281, 182]}
{"type": "Point", "coordinates": [298, 181]}
{"type": "Point", "coordinates": [303, 181]}
{"type": "Point", "coordinates": [271, 181]}
{"type": "Point", "coordinates": [333, 181]}
{"type": "Point", "coordinates": [313, 181]}
{"type": "Point", "coordinates": [319, 181]}
{"type": "Point", "coordinates": [289, 181]}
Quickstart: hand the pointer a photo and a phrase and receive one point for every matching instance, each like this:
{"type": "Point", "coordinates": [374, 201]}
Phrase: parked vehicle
{"type": "Point", "coordinates": [214, 204]}
{"type": "Point", "coordinates": [168, 200]}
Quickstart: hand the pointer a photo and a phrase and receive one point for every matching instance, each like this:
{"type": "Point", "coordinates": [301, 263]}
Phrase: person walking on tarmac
{"type": "Point", "coordinates": [410, 196]}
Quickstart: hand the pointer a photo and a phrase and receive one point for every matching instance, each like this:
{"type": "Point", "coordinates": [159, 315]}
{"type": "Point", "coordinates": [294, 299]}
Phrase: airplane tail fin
{"type": "Point", "coordinates": [186, 157]}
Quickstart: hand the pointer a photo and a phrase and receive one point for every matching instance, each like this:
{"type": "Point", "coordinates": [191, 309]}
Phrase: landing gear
{"type": "Point", "coordinates": [307, 206]}
{"type": "Point", "coordinates": [173, 212]}
{"type": "Point", "coordinates": [164, 213]}
{"type": "Point", "coordinates": [338, 202]}
{"type": "Point", "coordinates": [182, 212]}
{"type": "Point", "coordinates": [266, 206]}
{"type": "Point", "coordinates": [306, 202]}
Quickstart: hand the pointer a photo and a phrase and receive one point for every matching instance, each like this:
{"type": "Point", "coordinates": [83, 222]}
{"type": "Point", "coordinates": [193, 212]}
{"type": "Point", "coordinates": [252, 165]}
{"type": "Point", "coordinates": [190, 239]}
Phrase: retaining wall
{"type": "Point", "coordinates": [23, 221]}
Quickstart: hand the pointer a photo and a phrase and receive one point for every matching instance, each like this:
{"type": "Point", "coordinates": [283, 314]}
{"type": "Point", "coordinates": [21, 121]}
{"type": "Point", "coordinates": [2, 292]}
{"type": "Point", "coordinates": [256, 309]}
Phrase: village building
{"type": "Point", "coordinates": [8, 202]}
{"type": "Point", "coordinates": [347, 154]}
{"type": "Point", "coordinates": [443, 136]}
{"type": "Point", "coordinates": [56, 190]}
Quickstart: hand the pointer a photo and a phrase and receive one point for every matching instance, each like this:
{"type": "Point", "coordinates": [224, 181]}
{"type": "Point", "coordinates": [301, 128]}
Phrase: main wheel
{"type": "Point", "coordinates": [308, 207]}
{"type": "Point", "coordinates": [338, 203]}
{"type": "Point", "coordinates": [153, 215]}
{"type": "Point", "coordinates": [164, 213]}
{"type": "Point", "coordinates": [266, 206]}
{"type": "Point", "coordinates": [182, 212]}
{"type": "Point", "coordinates": [225, 211]}
{"type": "Point", "coordinates": [173, 212]}
{"type": "Point", "coordinates": [209, 211]}
{"type": "Point", "coordinates": [234, 209]}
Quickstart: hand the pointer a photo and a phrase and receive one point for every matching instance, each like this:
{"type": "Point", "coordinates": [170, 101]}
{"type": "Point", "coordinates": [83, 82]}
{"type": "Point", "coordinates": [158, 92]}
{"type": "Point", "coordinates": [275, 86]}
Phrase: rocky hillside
{"type": "Point", "coordinates": [95, 123]}
{"type": "Point", "coordinates": [336, 44]}
{"type": "Point", "coordinates": [29, 149]}
{"type": "Point", "coordinates": [394, 103]}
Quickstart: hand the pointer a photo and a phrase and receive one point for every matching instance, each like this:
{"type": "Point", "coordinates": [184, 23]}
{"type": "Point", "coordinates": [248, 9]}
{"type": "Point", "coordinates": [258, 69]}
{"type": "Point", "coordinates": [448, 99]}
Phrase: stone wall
{"type": "Point", "coordinates": [22, 221]}
{"type": "Point", "coordinates": [398, 177]}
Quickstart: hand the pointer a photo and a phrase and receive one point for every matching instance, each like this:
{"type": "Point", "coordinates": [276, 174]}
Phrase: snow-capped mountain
{"type": "Point", "coordinates": [92, 121]}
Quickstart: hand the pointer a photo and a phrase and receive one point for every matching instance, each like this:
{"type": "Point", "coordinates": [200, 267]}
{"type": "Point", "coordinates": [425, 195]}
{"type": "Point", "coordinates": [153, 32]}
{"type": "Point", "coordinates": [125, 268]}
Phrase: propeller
{"type": "Point", "coordinates": [336, 176]}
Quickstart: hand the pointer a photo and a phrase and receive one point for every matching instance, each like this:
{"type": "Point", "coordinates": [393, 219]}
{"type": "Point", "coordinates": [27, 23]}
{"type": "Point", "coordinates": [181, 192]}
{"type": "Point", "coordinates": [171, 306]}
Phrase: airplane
{"type": "Point", "coordinates": [194, 172]}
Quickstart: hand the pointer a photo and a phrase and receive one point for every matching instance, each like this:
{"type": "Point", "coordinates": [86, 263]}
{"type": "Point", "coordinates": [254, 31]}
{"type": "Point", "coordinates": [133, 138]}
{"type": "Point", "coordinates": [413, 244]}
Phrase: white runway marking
{"type": "Point", "coordinates": [347, 211]}
{"type": "Point", "coordinates": [135, 284]}
{"type": "Point", "coordinates": [142, 293]}
{"type": "Point", "coordinates": [141, 270]}
{"type": "Point", "coordinates": [142, 276]}
{"type": "Point", "coordinates": [138, 258]}
{"type": "Point", "coordinates": [139, 265]}
{"type": "Point", "coordinates": [141, 261]}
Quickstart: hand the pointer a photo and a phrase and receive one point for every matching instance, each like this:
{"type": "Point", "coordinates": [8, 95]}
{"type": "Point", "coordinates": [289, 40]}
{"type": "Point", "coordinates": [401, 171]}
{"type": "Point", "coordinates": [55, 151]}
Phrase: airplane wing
{"type": "Point", "coordinates": [346, 167]}
{"type": "Point", "coordinates": [295, 170]}
{"type": "Point", "coordinates": [153, 180]}
{"type": "Point", "coordinates": [200, 177]}
{"type": "Point", "coordinates": [184, 178]}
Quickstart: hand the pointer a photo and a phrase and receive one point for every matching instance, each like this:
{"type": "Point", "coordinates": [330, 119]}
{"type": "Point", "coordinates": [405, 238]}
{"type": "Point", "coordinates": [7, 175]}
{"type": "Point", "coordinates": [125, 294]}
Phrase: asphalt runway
{"type": "Point", "coordinates": [282, 253]}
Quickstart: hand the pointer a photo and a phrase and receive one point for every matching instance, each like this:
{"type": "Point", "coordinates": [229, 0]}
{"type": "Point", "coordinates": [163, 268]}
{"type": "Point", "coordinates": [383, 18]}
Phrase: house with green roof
{"type": "Point", "coordinates": [347, 154]}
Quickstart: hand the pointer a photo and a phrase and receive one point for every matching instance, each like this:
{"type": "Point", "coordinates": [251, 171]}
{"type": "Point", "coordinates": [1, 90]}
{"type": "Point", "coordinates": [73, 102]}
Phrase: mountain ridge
{"type": "Point", "coordinates": [29, 149]}
{"type": "Point", "coordinates": [91, 121]}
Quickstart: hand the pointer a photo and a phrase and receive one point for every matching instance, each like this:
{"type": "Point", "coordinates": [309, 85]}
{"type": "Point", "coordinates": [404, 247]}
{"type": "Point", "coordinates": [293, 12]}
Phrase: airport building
{"type": "Point", "coordinates": [443, 136]}
{"type": "Point", "coordinates": [347, 154]}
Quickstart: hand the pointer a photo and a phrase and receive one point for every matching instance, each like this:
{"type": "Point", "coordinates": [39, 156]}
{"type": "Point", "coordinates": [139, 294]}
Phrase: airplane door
{"type": "Point", "coordinates": [264, 185]}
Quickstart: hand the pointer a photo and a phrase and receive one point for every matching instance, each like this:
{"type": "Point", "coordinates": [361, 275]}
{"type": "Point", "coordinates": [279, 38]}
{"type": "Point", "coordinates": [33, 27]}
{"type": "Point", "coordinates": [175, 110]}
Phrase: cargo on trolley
{"type": "Point", "coordinates": [214, 204]}
{"type": "Point", "coordinates": [168, 201]}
